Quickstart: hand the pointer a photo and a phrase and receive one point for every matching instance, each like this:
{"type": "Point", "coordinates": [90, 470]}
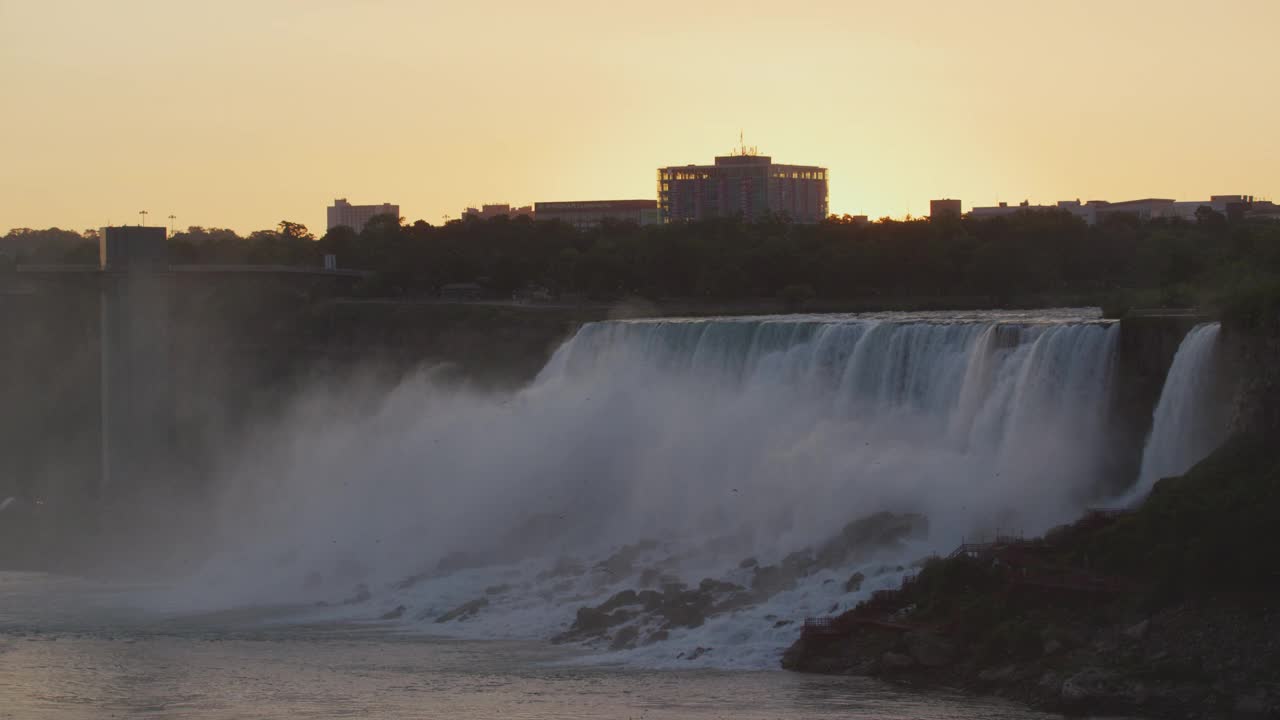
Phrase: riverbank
{"type": "Point", "coordinates": [1167, 611]}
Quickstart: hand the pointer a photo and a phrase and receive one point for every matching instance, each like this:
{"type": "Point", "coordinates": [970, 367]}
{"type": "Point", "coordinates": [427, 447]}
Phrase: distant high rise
{"type": "Point", "coordinates": [357, 216]}
{"type": "Point", "coordinates": [938, 208]}
{"type": "Point", "coordinates": [745, 184]}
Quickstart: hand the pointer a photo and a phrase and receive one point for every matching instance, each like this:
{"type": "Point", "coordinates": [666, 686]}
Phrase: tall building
{"type": "Point", "coordinates": [745, 184]}
{"type": "Point", "coordinates": [938, 208]}
{"type": "Point", "coordinates": [590, 213]}
{"type": "Point", "coordinates": [357, 216]}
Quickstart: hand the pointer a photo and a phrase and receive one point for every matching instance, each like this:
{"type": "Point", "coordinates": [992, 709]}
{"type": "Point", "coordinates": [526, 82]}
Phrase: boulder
{"type": "Point", "coordinates": [464, 611]}
{"type": "Point", "coordinates": [854, 583]}
{"type": "Point", "coordinates": [591, 621]}
{"type": "Point", "coordinates": [651, 599]}
{"type": "Point", "coordinates": [393, 614]}
{"type": "Point", "coordinates": [624, 598]}
{"type": "Point", "coordinates": [625, 638]}
{"type": "Point", "coordinates": [1138, 631]}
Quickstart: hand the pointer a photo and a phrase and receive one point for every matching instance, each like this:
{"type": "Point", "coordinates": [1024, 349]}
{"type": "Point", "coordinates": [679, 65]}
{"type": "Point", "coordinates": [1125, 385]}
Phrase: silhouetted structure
{"type": "Point", "coordinates": [591, 213]}
{"type": "Point", "coordinates": [938, 208]}
{"type": "Point", "coordinates": [137, 376]}
{"type": "Point", "coordinates": [743, 184]}
{"type": "Point", "coordinates": [487, 212]}
{"type": "Point", "coordinates": [357, 216]}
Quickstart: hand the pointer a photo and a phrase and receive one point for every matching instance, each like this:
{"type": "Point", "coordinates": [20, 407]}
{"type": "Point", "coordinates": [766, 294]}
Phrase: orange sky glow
{"type": "Point", "coordinates": [242, 113]}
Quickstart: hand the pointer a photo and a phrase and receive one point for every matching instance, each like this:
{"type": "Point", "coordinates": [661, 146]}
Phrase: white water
{"type": "Point", "coordinates": [1187, 424]}
{"type": "Point", "coordinates": [721, 438]}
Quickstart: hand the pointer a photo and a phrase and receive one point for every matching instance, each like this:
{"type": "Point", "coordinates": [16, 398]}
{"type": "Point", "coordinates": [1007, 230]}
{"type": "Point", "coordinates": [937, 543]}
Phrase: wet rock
{"type": "Point", "coordinates": [735, 601]}
{"type": "Point", "coordinates": [770, 580]}
{"type": "Point", "coordinates": [651, 599]}
{"type": "Point", "coordinates": [998, 675]}
{"type": "Point", "coordinates": [1090, 686]}
{"type": "Point", "coordinates": [695, 654]}
{"type": "Point", "coordinates": [799, 563]}
{"type": "Point", "coordinates": [930, 650]}
{"type": "Point", "coordinates": [591, 621]}
{"type": "Point", "coordinates": [891, 661]}
{"type": "Point", "coordinates": [622, 563]}
{"type": "Point", "coordinates": [412, 580]}
{"type": "Point", "coordinates": [625, 639]}
{"type": "Point", "coordinates": [869, 534]}
{"type": "Point", "coordinates": [748, 563]}
{"type": "Point", "coordinates": [622, 599]}
{"type": "Point", "coordinates": [497, 589]}
{"type": "Point", "coordinates": [464, 611]}
{"type": "Point", "coordinates": [854, 583]}
{"type": "Point", "coordinates": [564, 567]}
{"type": "Point", "coordinates": [1138, 631]}
{"type": "Point", "coordinates": [394, 614]}
{"type": "Point", "coordinates": [781, 623]}
{"type": "Point", "coordinates": [1251, 706]}
{"type": "Point", "coordinates": [710, 585]}
{"type": "Point", "coordinates": [1051, 682]}
{"type": "Point", "coordinates": [657, 636]}
{"type": "Point", "coordinates": [1052, 646]}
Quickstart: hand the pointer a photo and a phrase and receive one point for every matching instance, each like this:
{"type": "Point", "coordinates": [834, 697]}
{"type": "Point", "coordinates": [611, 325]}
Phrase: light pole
{"type": "Point", "coordinates": [171, 219]}
{"type": "Point", "coordinates": [143, 213]}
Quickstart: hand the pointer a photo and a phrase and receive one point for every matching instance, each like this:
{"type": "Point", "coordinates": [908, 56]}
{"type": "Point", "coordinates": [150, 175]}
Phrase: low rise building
{"type": "Point", "coordinates": [591, 213]}
{"type": "Point", "coordinates": [488, 212]}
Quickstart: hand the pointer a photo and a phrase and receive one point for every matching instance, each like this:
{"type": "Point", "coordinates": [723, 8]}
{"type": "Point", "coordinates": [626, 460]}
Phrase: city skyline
{"type": "Point", "coordinates": [250, 113]}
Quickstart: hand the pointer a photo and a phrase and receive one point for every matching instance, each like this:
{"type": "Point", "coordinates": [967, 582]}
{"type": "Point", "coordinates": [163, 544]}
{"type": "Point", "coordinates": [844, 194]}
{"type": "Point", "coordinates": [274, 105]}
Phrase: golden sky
{"type": "Point", "coordinates": [240, 113]}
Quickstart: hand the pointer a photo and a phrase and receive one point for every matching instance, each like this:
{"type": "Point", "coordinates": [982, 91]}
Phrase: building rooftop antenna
{"type": "Point", "coordinates": [172, 217]}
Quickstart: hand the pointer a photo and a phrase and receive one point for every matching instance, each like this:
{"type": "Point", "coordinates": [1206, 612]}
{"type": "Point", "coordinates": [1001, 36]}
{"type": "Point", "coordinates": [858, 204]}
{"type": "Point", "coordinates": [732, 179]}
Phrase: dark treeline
{"type": "Point", "coordinates": [1005, 259]}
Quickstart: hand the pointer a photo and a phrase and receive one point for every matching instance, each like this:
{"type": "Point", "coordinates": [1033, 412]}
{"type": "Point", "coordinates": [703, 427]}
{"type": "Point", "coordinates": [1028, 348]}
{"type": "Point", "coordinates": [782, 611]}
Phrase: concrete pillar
{"type": "Point", "coordinates": [137, 376]}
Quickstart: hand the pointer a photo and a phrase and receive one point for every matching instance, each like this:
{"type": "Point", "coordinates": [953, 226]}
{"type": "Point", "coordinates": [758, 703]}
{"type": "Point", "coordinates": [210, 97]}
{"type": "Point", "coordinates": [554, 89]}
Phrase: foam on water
{"type": "Point", "coordinates": [721, 439]}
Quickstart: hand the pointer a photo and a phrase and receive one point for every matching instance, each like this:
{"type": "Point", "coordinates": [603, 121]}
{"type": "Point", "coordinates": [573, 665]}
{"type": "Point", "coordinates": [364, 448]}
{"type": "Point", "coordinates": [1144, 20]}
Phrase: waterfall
{"type": "Point", "coordinates": [720, 439]}
{"type": "Point", "coordinates": [1187, 424]}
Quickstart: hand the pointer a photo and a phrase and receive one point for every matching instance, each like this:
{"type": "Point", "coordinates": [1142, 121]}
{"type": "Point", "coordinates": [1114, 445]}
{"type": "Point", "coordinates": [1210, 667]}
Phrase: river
{"type": "Point", "coordinates": [70, 650]}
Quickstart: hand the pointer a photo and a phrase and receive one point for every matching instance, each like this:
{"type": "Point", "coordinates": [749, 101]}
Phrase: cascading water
{"type": "Point", "coordinates": [1188, 423]}
{"type": "Point", "coordinates": [729, 443]}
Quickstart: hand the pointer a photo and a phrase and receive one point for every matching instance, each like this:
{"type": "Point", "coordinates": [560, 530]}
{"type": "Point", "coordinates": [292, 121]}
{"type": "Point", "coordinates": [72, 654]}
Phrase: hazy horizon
{"type": "Point", "coordinates": [245, 114]}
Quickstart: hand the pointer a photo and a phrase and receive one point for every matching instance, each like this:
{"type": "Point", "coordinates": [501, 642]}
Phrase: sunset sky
{"type": "Point", "coordinates": [241, 113]}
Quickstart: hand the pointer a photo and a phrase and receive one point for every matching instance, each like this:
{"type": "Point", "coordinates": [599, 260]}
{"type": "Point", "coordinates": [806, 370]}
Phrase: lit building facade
{"type": "Point", "coordinates": [357, 216]}
{"type": "Point", "coordinates": [591, 213]}
{"type": "Point", "coordinates": [746, 185]}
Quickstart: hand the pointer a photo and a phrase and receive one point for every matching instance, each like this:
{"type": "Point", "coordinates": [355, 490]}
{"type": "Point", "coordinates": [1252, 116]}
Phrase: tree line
{"type": "Point", "coordinates": [1167, 262]}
